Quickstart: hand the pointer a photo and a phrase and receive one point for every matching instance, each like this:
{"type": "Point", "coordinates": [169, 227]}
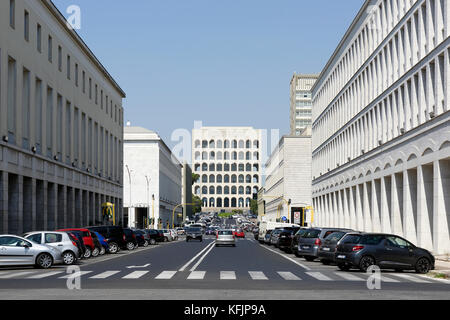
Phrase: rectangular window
{"type": "Point", "coordinates": [76, 132]}
{"type": "Point", "coordinates": [84, 81]}
{"type": "Point", "coordinates": [38, 115]}
{"type": "Point", "coordinates": [11, 97]}
{"type": "Point", "coordinates": [26, 26]}
{"type": "Point", "coordinates": [101, 99]}
{"type": "Point", "coordinates": [96, 94]}
{"type": "Point", "coordinates": [83, 139]}
{"type": "Point", "coordinates": [106, 105]}
{"type": "Point", "coordinates": [39, 38]}
{"type": "Point", "coordinates": [12, 13]}
{"type": "Point", "coordinates": [59, 126]}
{"type": "Point", "coordinates": [59, 58]}
{"type": "Point", "coordinates": [101, 152]}
{"type": "Point", "coordinates": [49, 122]}
{"type": "Point", "coordinates": [76, 74]}
{"type": "Point", "coordinates": [96, 148]}
{"type": "Point", "coordinates": [26, 109]}
{"type": "Point", "coordinates": [68, 67]}
{"type": "Point", "coordinates": [68, 125]}
{"type": "Point", "coordinates": [90, 88]}
{"type": "Point", "coordinates": [50, 49]}
{"type": "Point", "coordinates": [90, 139]}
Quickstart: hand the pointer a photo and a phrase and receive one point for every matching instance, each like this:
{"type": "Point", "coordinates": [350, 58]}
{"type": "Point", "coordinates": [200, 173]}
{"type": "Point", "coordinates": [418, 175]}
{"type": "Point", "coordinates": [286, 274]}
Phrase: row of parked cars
{"type": "Point", "coordinates": [349, 249]}
{"type": "Point", "coordinates": [43, 249]}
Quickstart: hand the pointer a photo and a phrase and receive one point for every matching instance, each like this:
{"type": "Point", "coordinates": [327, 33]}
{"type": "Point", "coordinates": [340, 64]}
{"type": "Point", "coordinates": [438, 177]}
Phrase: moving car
{"type": "Point", "coordinates": [17, 251]}
{"type": "Point", "coordinates": [194, 233]}
{"type": "Point", "coordinates": [309, 242]}
{"type": "Point", "coordinates": [58, 240]}
{"type": "Point", "coordinates": [387, 251]}
{"type": "Point", "coordinates": [225, 237]}
{"type": "Point", "coordinates": [239, 233]}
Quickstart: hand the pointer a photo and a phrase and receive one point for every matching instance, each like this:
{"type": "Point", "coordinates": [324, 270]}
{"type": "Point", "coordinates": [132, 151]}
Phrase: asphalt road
{"type": "Point", "coordinates": [200, 270]}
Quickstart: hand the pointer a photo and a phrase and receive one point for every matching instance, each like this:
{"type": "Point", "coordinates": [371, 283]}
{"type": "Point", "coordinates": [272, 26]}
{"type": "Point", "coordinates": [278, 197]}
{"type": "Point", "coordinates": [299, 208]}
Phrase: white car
{"type": "Point", "coordinates": [174, 234]}
{"type": "Point", "coordinates": [58, 240]}
{"type": "Point", "coordinates": [167, 235]}
{"type": "Point", "coordinates": [225, 237]}
{"type": "Point", "coordinates": [17, 251]}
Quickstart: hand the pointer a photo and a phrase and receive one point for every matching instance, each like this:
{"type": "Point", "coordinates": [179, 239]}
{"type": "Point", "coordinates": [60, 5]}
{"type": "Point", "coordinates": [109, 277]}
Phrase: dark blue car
{"type": "Point", "coordinates": [103, 242]}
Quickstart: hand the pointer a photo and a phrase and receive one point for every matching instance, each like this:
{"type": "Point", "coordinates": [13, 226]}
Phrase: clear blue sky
{"type": "Point", "coordinates": [221, 62]}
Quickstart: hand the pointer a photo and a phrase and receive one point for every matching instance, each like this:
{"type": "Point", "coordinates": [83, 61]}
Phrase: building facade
{"type": "Point", "coordinates": [153, 180]}
{"type": "Point", "coordinates": [287, 187]}
{"type": "Point", "coordinates": [60, 125]}
{"type": "Point", "coordinates": [301, 102]}
{"type": "Point", "coordinates": [228, 162]}
{"type": "Point", "coordinates": [381, 124]}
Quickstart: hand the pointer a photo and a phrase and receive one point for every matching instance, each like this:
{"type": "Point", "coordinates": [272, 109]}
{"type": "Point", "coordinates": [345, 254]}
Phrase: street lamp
{"type": "Point", "coordinates": [148, 200]}
{"type": "Point", "coordinates": [129, 177]}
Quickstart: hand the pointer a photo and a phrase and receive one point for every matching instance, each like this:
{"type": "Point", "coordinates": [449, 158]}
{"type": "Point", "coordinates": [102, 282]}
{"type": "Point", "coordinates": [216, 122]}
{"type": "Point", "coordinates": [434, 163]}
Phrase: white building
{"type": "Point", "coordinates": [153, 180]}
{"type": "Point", "coordinates": [60, 124]}
{"type": "Point", "coordinates": [301, 102]}
{"type": "Point", "coordinates": [288, 179]}
{"type": "Point", "coordinates": [228, 162]}
{"type": "Point", "coordinates": [381, 124]}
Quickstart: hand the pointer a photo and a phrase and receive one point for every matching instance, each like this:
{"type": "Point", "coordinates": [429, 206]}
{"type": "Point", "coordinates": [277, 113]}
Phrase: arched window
{"type": "Point", "coordinates": [241, 190]}
{"type": "Point", "coordinates": [226, 167]}
{"type": "Point", "coordinates": [212, 144]}
{"type": "Point", "coordinates": [248, 155]}
{"type": "Point", "coordinates": [212, 167]}
{"type": "Point", "coordinates": [241, 178]}
{"type": "Point", "coordinates": [197, 155]}
{"type": "Point", "coordinates": [233, 202]}
{"type": "Point", "coordinates": [241, 155]}
{"type": "Point", "coordinates": [255, 189]}
{"type": "Point", "coordinates": [197, 143]}
{"type": "Point", "coordinates": [212, 179]}
{"type": "Point", "coordinates": [255, 179]}
{"type": "Point", "coordinates": [204, 190]}
{"type": "Point", "coordinates": [248, 178]}
{"type": "Point", "coordinates": [219, 178]}
{"type": "Point", "coordinates": [248, 190]}
{"type": "Point", "coordinates": [248, 202]}
{"type": "Point", "coordinates": [255, 168]}
{"type": "Point", "coordinates": [205, 155]}
{"type": "Point", "coordinates": [233, 178]}
{"type": "Point", "coordinates": [219, 144]}
{"type": "Point", "coordinates": [219, 155]}
{"type": "Point", "coordinates": [226, 155]}
{"type": "Point", "coordinates": [226, 190]}
{"type": "Point", "coordinates": [241, 167]}
{"type": "Point", "coordinates": [234, 144]}
{"type": "Point", "coordinates": [204, 178]}
{"type": "Point", "coordinates": [211, 190]}
{"type": "Point", "coordinates": [219, 190]}
{"type": "Point", "coordinates": [219, 167]}
{"type": "Point", "coordinates": [219, 202]}
{"type": "Point", "coordinates": [226, 144]}
{"type": "Point", "coordinates": [212, 202]}
{"type": "Point", "coordinates": [255, 155]}
{"type": "Point", "coordinates": [241, 202]}
{"type": "Point", "coordinates": [226, 179]}
{"type": "Point", "coordinates": [256, 144]}
{"type": "Point", "coordinates": [204, 144]}
{"type": "Point", "coordinates": [234, 167]}
{"type": "Point", "coordinates": [248, 167]}
{"type": "Point", "coordinates": [234, 156]}
{"type": "Point", "coordinates": [197, 167]}
{"type": "Point", "coordinates": [197, 190]}
{"type": "Point", "coordinates": [241, 144]}
{"type": "Point", "coordinates": [204, 167]}
{"type": "Point", "coordinates": [248, 144]}
{"type": "Point", "coordinates": [205, 202]}
{"type": "Point", "coordinates": [226, 202]}
{"type": "Point", "coordinates": [212, 155]}
{"type": "Point", "coordinates": [233, 190]}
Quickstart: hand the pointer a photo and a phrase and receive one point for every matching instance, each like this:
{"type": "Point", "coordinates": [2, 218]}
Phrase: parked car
{"type": "Point", "coordinates": [80, 244]}
{"type": "Point", "coordinates": [114, 235]}
{"type": "Point", "coordinates": [327, 249]}
{"type": "Point", "coordinates": [295, 239]}
{"type": "Point", "coordinates": [194, 234]}
{"type": "Point", "coordinates": [85, 234]}
{"type": "Point", "coordinates": [285, 238]}
{"type": "Point", "coordinates": [256, 233]}
{"type": "Point", "coordinates": [58, 240]}
{"type": "Point", "coordinates": [181, 231]}
{"type": "Point", "coordinates": [167, 235]}
{"type": "Point", "coordinates": [239, 233]}
{"type": "Point", "coordinates": [131, 242]}
{"type": "Point", "coordinates": [274, 236]}
{"type": "Point", "coordinates": [174, 234]}
{"type": "Point", "coordinates": [17, 251]}
{"type": "Point", "coordinates": [154, 236]}
{"type": "Point", "coordinates": [103, 243]}
{"type": "Point", "coordinates": [266, 238]}
{"type": "Point", "coordinates": [309, 242]}
{"type": "Point", "coordinates": [97, 244]}
{"type": "Point", "coordinates": [141, 238]}
{"type": "Point", "coordinates": [387, 251]}
{"type": "Point", "coordinates": [225, 237]}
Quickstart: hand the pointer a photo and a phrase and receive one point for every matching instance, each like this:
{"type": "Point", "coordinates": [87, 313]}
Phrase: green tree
{"type": "Point", "coordinates": [254, 206]}
{"type": "Point", "coordinates": [198, 204]}
{"type": "Point", "coordinates": [195, 178]}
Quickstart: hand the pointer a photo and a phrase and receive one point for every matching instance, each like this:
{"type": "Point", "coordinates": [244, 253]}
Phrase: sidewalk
{"type": "Point", "coordinates": [442, 267]}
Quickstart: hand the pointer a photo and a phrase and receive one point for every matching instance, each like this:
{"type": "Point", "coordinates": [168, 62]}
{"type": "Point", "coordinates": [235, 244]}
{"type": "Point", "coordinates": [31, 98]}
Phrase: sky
{"type": "Point", "coordinates": [225, 63]}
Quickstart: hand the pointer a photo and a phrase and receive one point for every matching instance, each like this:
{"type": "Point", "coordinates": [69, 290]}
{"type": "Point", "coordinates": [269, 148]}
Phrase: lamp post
{"type": "Point", "coordinates": [129, 178]}
{"type": "Point", "coordinates": [148, 200]}
{"type": "Point", "coordinates": [153, 211]}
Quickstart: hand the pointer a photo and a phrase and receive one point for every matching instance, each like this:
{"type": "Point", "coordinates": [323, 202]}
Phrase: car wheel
{"type": "Point", "coordinates": [343, 267]}
{"type": "Point", "coordinates": [166, 239]}
{"type": "Point", "coordinates": [87, 253]}
{"type": "Point", "coordinates": [152, 242]}
{"type": "Point", "coordinates": [187, 240]}
{"type": "Point", "coordinates": [68, 258]}
{"type": "Point", "coordinates": [325, 262]}
{"type": "Point", "coordinates": [145, 243]}
{"type": "Point", "coordinates": [102, 251]}
{"type": "Point", "coordinates": [309, 258]}
{"type": "Point", "coordinates": [366, 262]}
{"type": "Point", "coordinates": [44, 261]}
{"type": "Point", "coordinates": [95, 252]}
{"type": "Point", "coordinates": [130, 246]}
{"type": "Point", "coordinates": [423, 265]}
{"type": "Point", "coordinates": [113, 248]}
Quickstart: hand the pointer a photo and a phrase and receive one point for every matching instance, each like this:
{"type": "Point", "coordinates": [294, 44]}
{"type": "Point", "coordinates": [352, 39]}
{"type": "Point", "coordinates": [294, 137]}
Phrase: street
{"type": "Point", "coordinates": [199, 270]}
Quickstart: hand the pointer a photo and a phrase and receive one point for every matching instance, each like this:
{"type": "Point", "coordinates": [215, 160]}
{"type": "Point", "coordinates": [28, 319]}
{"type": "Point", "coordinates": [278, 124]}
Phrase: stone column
{"type": "Point", "coordinates": [409, 205]}
{"type": "Point", "coordinates": [358, 209]}
{"type": "Point", "coordinates": [4, 202]}
{"type": "Point", "coordinates": [375, 206]}
{"type": "Point", "coordinates": [346, 211]}
{"type": "Point", "coordinates": [424, 206]}
{"type": "Point", "coordinates": [385, 204]}
{"type": "Point", "coordinates": [33, 205]}
{"type": "Point", "coordinates": [396, 203]}
{"type": "Point", "coordinates": [441, 216]}
{"type": "Point", "coordinates": [366, 208]}
{"type": "Point", "coordinates": [352, 213]}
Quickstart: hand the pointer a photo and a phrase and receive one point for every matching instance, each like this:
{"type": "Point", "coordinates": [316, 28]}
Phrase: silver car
{"type": "Point", "coordinates": [225, 237]}
{"type": "Point", "coordinates": [17, 251]}
{"type": "Point", "coordinates": [58, 240]}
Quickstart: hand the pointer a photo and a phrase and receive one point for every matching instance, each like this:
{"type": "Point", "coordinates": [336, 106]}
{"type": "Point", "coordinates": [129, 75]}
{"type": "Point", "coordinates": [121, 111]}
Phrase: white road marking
{"type": "Point", "coordinates": [203, 257]}
{"type": "Point", "coordinates": [227, 275]}
{"type": "Point", "coordinates": [104, 275]}
{"type": "Point", "coordinates": [45, 275]}
{"type": "Point", "coordinates": [16, 274]}
{"type": "Point", "coordinates": [135, 275]}
{"type": "Point", "coordinates": [74, 275]}
{"type": "Point", "coordinates": [197, 275]}
{"type": "Point", "coordinates": [349, 276]}
{"type": "Point", "coordinates": [166, 275]}
{"type": "Point", "coordinates": [135, 267]}
{"type": "Point", "coordinates": [319, 276]}
{"type": "Point", "coordinates": [288, 276]}
{"type": "Point", "coordinates": [257, 275]}
{"type": "Point", "coordinates": [411, 278]}
{"type": "Point", "coordinates": [190, 261]}
{"type": "Point", "coordinates": [386, 279]}
{"type": "Point", "coordinates": [286, 257]}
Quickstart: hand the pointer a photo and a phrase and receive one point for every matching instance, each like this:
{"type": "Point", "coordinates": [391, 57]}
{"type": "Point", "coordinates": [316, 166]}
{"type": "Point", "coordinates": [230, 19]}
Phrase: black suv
{"type": "Point", "coordinates": [131, 241]}
{"type": "Point", "coordinates": [194, 234]}
{"type": "Point", "coordinates": [114, 235]}
{"type": "Point", "coordinates": [154, 236]}
{"type": "Point", "coordinates": [285, 238]}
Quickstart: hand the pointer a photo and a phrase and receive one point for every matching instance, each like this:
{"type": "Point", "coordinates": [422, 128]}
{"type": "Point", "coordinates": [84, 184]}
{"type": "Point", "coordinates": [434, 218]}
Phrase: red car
{"type": "Point", "coordinates": [91, 249]}
{"type": "Point", "coordinates": [239, 233]}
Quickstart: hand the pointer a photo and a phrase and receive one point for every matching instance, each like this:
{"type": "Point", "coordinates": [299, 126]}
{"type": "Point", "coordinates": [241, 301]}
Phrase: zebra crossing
{"type": "Point", "coordinates": [228, 275]}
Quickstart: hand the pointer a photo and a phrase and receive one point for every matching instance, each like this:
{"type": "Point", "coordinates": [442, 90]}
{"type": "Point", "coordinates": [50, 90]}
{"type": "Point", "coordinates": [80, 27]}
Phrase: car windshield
{"type": "Point", "coordinates": [226, 232]}
{"type": "Point", "coordinates": [351, 238]}
{"type": "Point", "coordinates": [334, 237]}
{"type": "Point", "coordinates": [194, 230]}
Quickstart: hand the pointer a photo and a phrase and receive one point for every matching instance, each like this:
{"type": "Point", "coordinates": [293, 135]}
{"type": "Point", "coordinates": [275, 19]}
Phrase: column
{"type": "Point", "coordinates": [346, 212]}
{"type": "Point", "coordinates": [375, 205]}
{"type": "Point", "coordinates": [409, 204]}
{"type": "Point", "coordinates": [441, 187]}
{"type": "Point", "coordinates": [366, 207]}
{"type": "Point", "coordinates": [385, 205]}
{"type": "Point", "coordinates": [424, 206]}
{"type": "Point", "coordinates": [397, 203]}
{"type": "Point", "coordinates": [359, 211]}
{"type": "Point", "coordinates": [352, 213]}
{"type": "Point", "coordinates": [4, 202]}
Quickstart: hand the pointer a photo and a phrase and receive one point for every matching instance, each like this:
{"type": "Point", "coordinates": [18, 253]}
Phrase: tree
{"type": "Point", "coordinates": [195, 178]}
{"type": "Point", "coordinates": [198, 204]}
{"type": "Point", "coordinates": [254, 206]}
